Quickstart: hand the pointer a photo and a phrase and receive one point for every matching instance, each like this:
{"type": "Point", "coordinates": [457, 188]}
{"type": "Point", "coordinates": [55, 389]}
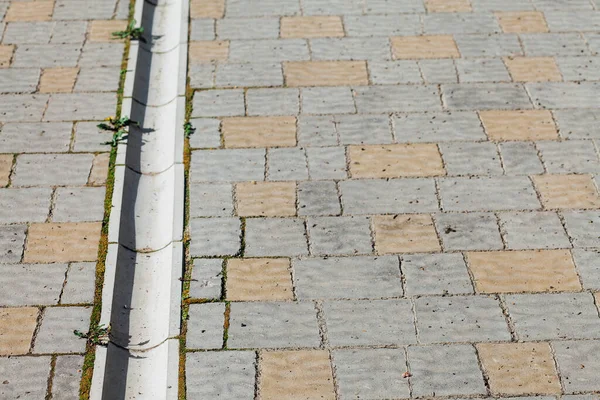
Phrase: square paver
{"type": "Point", "coordinates": [63, 242]}
{"type": "Point", "coordinates": [25, 377]}
{"type": "Point", "coordinates": [267, 279]}
{"type": "Point", "coordinates": [582, 228]}
{"type": "Point", "coordinates": [339, 235]}
{"type": "Point", "coordinates": [405, 234]}
{"type": "Point", "coordinates": [58, 80]}
{"type": "Point", "coordinates": [219, 103]}
{"type": "Point", "coordinates": [205, 326]}
{"type": "Point", "coordinates": [533, 230]}
{"type": "Point", "coordinates": [567, 191]}
{"type": "Point", "coordinates": [215, 236]}
{"type": "Point", "coordinates": [211, 200]}
{"type": "Point", "coordinates": [12, 243]}
{"type": "Point", "coordinates": [397, 160]}
{"type": "Point", "coordinates": [268, 237]}
{"type": "Point", "coordinates": [266, 199]}
{"type": "Point", "coordinates": [578, 364]}
{"type": "Point", "coordinates": [207, 276]}
{"type": "Point", "coordinates": [80, 285]}
{"type": "Point", "coordinates": [24, 205]}
{"type": "Point", "coordinates": [56, 332]}
{"type": "Point", "coordinates": [17, 326]}
{"type": "Point", "coordinates": [83, 204]}
{"type": "Point", "coordinates": [588, 266]}
{"type": "Point", "coordinates": [472, 231]}
{"type": "Point", "coordinates": [31, 284]}
{"type": "Point", "coordinates": [471, 158]}
{"type": "Point", "coordinates": [440, 273]}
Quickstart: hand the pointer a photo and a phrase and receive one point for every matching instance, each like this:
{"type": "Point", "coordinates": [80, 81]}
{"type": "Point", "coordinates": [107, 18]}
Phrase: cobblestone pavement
{"type": "Point", "coordinates": [59, 74]}
{"type": "Point", "coordinates": [394, 198]}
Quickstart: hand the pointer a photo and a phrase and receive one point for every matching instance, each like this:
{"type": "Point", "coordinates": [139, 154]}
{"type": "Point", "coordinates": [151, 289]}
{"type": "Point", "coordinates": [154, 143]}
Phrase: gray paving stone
{"type": "Point", "coordinates": [460, 319]}
{"type": "Point", "coordinates": [347, 277]}
{"type": "Point", "coordinates": [19, 80]}
{"type": "Point", "coordinates": [202, 76]}
{"type": "Point", "coordinates": [486, 96]}
{"type": "Point", "coordinates": [205, 326]}
{"type": "Point", "coordinates": [56, 332]}
{"type": "Point", "coordinates": [533, 230]}
{"type": "Point", "coordinates": [579, 68]}
{"type": "Point", "coordinates": [382, 25]}
{"type": "Point", "coordinates": [350, 48]}
{"type": "Point", "coordinates": [211, 200]}
{"type": "Point", "coordinates": [326, 163]}
{"type": "Point", "coordinates": [445, 370]}
{"type": "Point", "coordinates": [472, 231]}
{"type": "Point", "coordinates": [316, 131]}
{"type": "Point", "coordinates": [325, 100]}
{"type": "Point", "coordinates": [387, 99]}
{"type": "Point", "coordinates": [260, 8]}
{"type": "Point", "coordinates": [388, 196]}
{"type": "Point", "coordinates": [588, 266]}
{"type": "Point", "coordinates": [371, 373]}
{"type": "Point", "coordinates": [286, 164]}
{"type": "Point", "coordinates": [578, 365]}
{"type": "Point", "coordinates": [206, 278]}
{"type": "Point", "coordinates": [553, 44]}
{"type": "Point", "coordinates": [520, 158]}
{"type": "Point", "coordinates": [593, 40]}
{"type": "Point", "coordinates": [570, 20]}
{"type": "Point", "coordinates": [81, 281]}
{"type": "Point", "coordinates": [101, 54]}
{"type": "Point", "coordinates": [12, 242]}
{"type": "Point", "coordinates": [67, 374]}
{"type": "Point", "coordinates": [501, 5]}
{"type": "Point", "coordinates": [552, 95]}
{"type": "Point", "coordinates": [103, 79]}
{"type": "Point", "coordinates": [248, 28]}
{"type": "Point", "coordinates": [273, 325]}
{"type": "Point", "coordinates": [28, 32]}
{"type": "Point", "coordinates": [35, 137]}
{"type": "Point", "coordinates": [393, 6]}
{"type": "Point", "coordinates": [22, 107]}
{"type": "Point", "coordinates": [435, 274]}
{"type": "Point", "coordinates": [482, 70]}
{"type": "Point", "coordinates": [572, 156]}
{"type": "Point", "coordinates": [52, 169]}
{"type": "Point", "coordinates": [24, 205]}
{"type": "Point", "coordinates": [332, 7]}
{"type": "Point", "coordinates": [582, 227]}
{"type": "Point", "coordinates": [268, 50]}
{"type": "Point", "coordinates": [483, 194]}
{"type": "Point", "coordinates": [438, 71]}
{"type": "Point", "coordinates": [318, 198]}
{"type": "Point", "coordinates": [267, 237]}
{"type": "Point", "coordinates": [215, 236]}
{"type": "Point", "coordinates": [364, 129]}
{"type": "Point", "coordinates": [468, 158]}
{"type": "Point", "coordinates": [88, 137]}
{"type": "Point", "coordinates": [202, 29]}
{"type": "Point", "coordinates": [561, 4]}
{"type": "Point", "coordinates": [219, 103]}
{"type": "Point", "coordinates": [578, 124]}
{"type": "Point", "coordinates": [499, 45]}
{"type": "Point", "coordinates": [339, 235]}
{"type": "Point", "coordinates": [80, 10]}
{"type": "Point", "coordinates": [248, 75]}
{"type": "Point", "coordinates": [227, 375]}
{"type": "Point", "coordinates": [228, 165]}
{"type": "Point", "coordinates": [80, 106]}
{"type": "Point", "coordinates": [394, 72]}
{"type": "Point", "coordinates": [373, 322]}
{"type": "Point", "coordinates": [46, 56]}
{"type": "Point", "coordinates": [554, 316]}
{"type": "Point", "coordinates": [207, 133]}
{"type": "Point", "coordinates": [25, 377]}
{"type": "Point", "coordinates": [69, 32]}
{"type": "Point", "coordinates": [580, 397]}
{"type": "Point", "coordinates": [451, 23]}
{"type": "Point", "coordinates": [79, 204]}
{"type": "Point", "coordinates": [283, 101]}
{"type": "Point", "coordinates": [438, 127]}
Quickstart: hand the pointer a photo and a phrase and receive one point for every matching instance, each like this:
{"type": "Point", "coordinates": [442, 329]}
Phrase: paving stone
{"type": "Point", "coordinates": [339, 235]}
{"type": "Point", "coordinates": [16, 330]}
{"type": "Point", "coordinates": [486, 96]}
{"type": "Point", "coordinates": [326, 162]}
{"type": "Point", "coordinates": [52, 169]}
{"type": "Point", "coordinates": [104, 79]}
{"type": "Point", "coordinates": [593, 40]}
{"type": "Point", "coordinates": [389, 99]}
{"type": "Point", "coordinates": [62, 242]}
{"type": "Point", "coordinates": [6, 54]}
{"type": "Point", "coordinates": [26, 377]}
{"type": "Point", "coordinates": [345, 277]}
{"type": "Point", "coordinates": [12, 242]}
{"type": "Point", "coordinates": [561, 4]}
{"type": "Point", "coordinates": [215, 236]}
{"type": "Point", "coordinates": [325, 73]}
{"type": "Point", "coordinates": [265, 279]}
{"type": "Point", "coordinates": [388, 196]}
{"type": "Point", "coordinates": [579, 68]}
{"type": "Point", "coordinates": [22, 107]}
{"type": "Point", "coordinates": [572, 20]}
{"type": "Point", "coordinates": [435, 274]}
{"type": "Point", "coordinates": [573, 156]}
{"type": "Point", "coordinates": [18, 11]}
{"type": "Point", "coordinates": [58, 80]}
{"type": "Point", "coordinates": [318, 198]}
{"type": "Point", "coordinates": [211, 200]}
{"type": "Point", "coordinates": [363, 129]}
{"type": "Point", "coordinates": [520, 158]}
{"type": "Point", "coordinates": [564, 95]}
{"type": "Point", "coordinates": [578, 124]}
{"type": "Point", "coordinates": [266, 199]}
{"type": "Point", "coordinates": [438, 71]}
{"type": "Point", "coordinates": [207, 134]}
{"type": "Point", "coordinates": [369, 322]}
{"type": "Point", "coordinates": [203, 29]}
{"type": "Point", "coordinates": [80, 284]}
{"type": "Point", "coordinates": [219, 103]}
{"type": "Point", "coordinates": [67, 373]}
{"type": "Point", "coordinates": [522, 21]}
{"type": "Point", "coordinates": [419, 47]}
{"type": "Point", "coordinates": [260, 8]}
{"type": "Point", "coordinates": [533, 69]}
{"type": "Point", "coordinates": [480, 45]}
{"type": "Point", "coordinates": [338, 100]}
{"type": "Point", "coordinates": [451, 23]}
{"type": "Point", "coordinates": [248, 74]}
{"type": "Point", "coordinates": [332, 7]}
{"type": "Point", "coordinates": [102, 31]}
{"type": "Point", "coordinates": [6, 163]}
{"type": "Point", "coordinates": [71, 31]}
{"type": "Point", "coordinates": [287, 165]}
{"type": "Point", "coordinates": [80, 10]}
{"type": "Point", "coordinates": [79, 204]}
{"type": "Point", "coordinates": [99, 172]}
{"type": "Point", "coordinates": [533, 230]}
{"type": "Point", "coordinates": [553, 316]}
{"type": "Point", "coordinates": [273, 101]}
{"type": "Point", "coordinates": [31, 284]}
{"type": "Point", "coordinates": [19, 80]}
{"type": "Point", "coordinates": [296, 374]}
{"type": "Point", "coordinates": [396, 160]}
{"type": "Point", "coordinates": [484, 194]}
{"type": "Point", "coordinates": [588, 267]}
{"type": "Point", "coordinates": [460, 319]}
{"type": "Point", "coordinates": [350, 48]}
{"type": "Point", "coordinates": [268, 50]}
{"type": "Point", "coordinates": [80, 106]}
{"type": "Point", "coordinates": [229, 375]}
{"type": "Point", "coordinates": [273, 325]}
{"type": "Point", "coordinates": [394, 72]}
{"type": "Point", "coordinates": [435, 374]}
{"type": "Point", "coordinates": [207, 8]}
{"type": "Point", "coordinates": [267, 237]}
{"type": "Point", "coordinates": [101, 54]}
{"type": "Point", "coordinates": [382, 25]}
{"type": "Point", "coordinates": [259, 131]}
{"type": "Point", "coordinates": [311, 27]}
{"type": "Point", "coordinates": [438, 127]}
{"type": "Point", "coordinates": [390, 6]}
{"type": "Point", "coordinates": [205, 326]}
{"type": "Point", "coordinates": [24, 205]}
{"type": "Point", "coordinates": [471, 158]}
{"type": "Point", "coordinates": [207, 276]}
{"type": "Point", "coordinates": [553, 44]}
{"type": "Point", "coordinates": [448, 6]}
{"type": "Point", "coordinates": [405, 234]}
{"type": "Point", "coordinates": [316, 131]}
{"type": "Point", "coordinates": [519, 368]}
{"type": "Point", "coordinates": [247, 28]}
{"type": "Point", "coordinates": [519, 125]}
{"type": "Point", "coordinates": [582, 227]}
{"type": "Point", "coordinates": [56, 332]}
{"type": "Point", "coordinates": [228, 165]}
{"type": "Point", "coordinates": [204, 52]}
{"type": "Point", "coordinates": [371, 373]}
{"type": "Point", "coordinates": [577, 363]}
{"type": "Point", "coordinates": [45, 56]}
{"type": "Point", "coordinates": [482, 70]}
{"type": "Point", "coordinates": [499, 5]}
{"type": "Point", "coordinates": [472, 231]}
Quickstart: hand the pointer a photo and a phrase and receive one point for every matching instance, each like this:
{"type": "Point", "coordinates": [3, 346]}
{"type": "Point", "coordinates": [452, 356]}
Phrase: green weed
{"type": "Point", "coordinates": [96, 336]}
{"type": "Point", "coordinates": [118, 127]}
{"type": "Point", "coordinates": [131, 32]}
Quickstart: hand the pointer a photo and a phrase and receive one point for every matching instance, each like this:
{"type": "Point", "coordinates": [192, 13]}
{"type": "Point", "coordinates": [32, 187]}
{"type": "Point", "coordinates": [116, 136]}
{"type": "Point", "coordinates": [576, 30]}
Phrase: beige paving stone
{"type": "Point", "coordinates": [296, 375]}
{"type": "Point", "coordinates": [6, 161]}
{"type": "Point", "coordinates": [204, 52]}
{"type": "Point", "coordinates": [448, 6]}
{"type": "Point", "coordinates": [416, 47]}
{"type": "Point", "coordinates": [58, 80]}
{"type": "Point", "coordinates": [40, 10]}
{"type": "Point", "coordinates": [395, 160]}
{"type": "Point", "coordinates": [519, 125]}
{"type": "Point", "coordinates": [271, 199]}
{"type": "Point", "coordinates": [567, 191]}
{"type": "Point", "coordinates": [411, 233]}
{"type": "Point", "coordinates": [259, 131]}
{"type": "Point", "coordinates": [207, 8]}
{"type": "Point", "coordinates": [102, 31]}
{"type": "Point", "coordinates": [597, 300]}
{"type": "Point", "coordinates": [99, 170]}
{"type": "Point", "coordinates": [6, 53]}
{"type": "Point", "coordinates": [523, 271]}
{"type": "Point", "coordinates": [325, 73]}
{"type": "Point", "coordinates": [522, 21]}
{"type": "Point", "coordinates": [311, 27]}
{"type": "Point", "coordinates": [62, 242]}
{"type": "Point", "coordinates": [533, 69]}
{"type": "Point", "coordinates": [16, 330]}
{"type": "Point", "coordinates": [266, 279]}
{"type": "Point", "coordinates": [519, 368]}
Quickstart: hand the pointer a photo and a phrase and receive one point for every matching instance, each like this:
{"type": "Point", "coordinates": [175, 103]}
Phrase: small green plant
{"type": "Point", "coordinates": [131, 32]}
{"type": "Point", "coordinates": [188, 129]}
{"type": "Point", "coordinates": [118, 127]}
{"type": "Point", "coordinates": [97, 335]}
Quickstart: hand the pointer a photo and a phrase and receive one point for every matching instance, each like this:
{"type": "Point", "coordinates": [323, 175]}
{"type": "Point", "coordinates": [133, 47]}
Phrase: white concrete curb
{"type": "Point", "coordinates": [142, 288]}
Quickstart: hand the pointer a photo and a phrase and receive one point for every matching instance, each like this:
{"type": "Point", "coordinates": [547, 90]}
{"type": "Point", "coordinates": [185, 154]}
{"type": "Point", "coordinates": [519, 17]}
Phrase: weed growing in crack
{"type": "Point", "coordinates": [97, 335]}
{"type": "Point", "coordinates": [118, 127]}
{"type": "Point", "coordinates": [131, 32]}
{"type": "Point", "coordinates": [188, 129]}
